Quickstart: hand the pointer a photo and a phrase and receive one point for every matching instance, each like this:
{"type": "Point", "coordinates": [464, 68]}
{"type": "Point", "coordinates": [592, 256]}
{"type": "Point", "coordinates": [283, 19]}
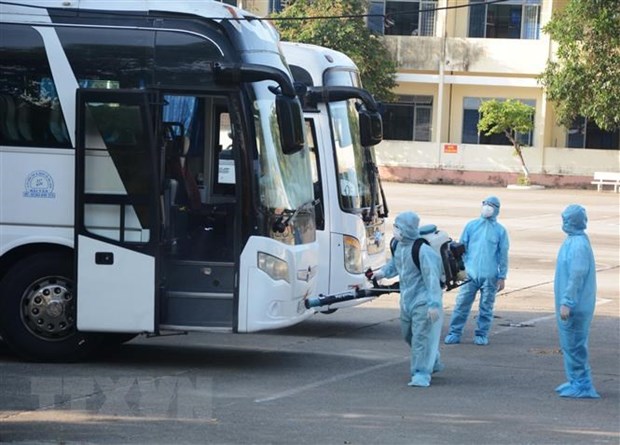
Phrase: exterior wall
{"type": "Point", "coordinates": [491, 164]}
{"type": "Point", "coordinates": [498, 56]}
{"type": "Point", "coordinates": [258, 7]}
{"type": "Point", "coordinates": [577, 161]}
{"type": "Point", "coordinates": [470, 177]}
{"type": "Point", "coordinates": [468, 55]}
{"type": "Point", "coordinates": [496, 158]}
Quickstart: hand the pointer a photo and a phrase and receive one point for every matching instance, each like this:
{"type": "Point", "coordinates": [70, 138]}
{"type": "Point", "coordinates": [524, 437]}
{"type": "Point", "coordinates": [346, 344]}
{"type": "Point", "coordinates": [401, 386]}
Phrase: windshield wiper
{"type": "Point", "coordinates": [375, 181]}
{"type": "Point", "coordinates": [284, 219]}
{"type": "Point", "coordinates": [372, 172]}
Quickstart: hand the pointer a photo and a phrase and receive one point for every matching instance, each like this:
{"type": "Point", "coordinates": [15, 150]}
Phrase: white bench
{"type": "Point", "coordinates": [606, 178]}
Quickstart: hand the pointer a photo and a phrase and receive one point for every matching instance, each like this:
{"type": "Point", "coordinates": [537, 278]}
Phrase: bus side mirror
{"type": "Point", "coordinates": [371, 128]}
{"type": "Point", "coordinates": [291, 123]}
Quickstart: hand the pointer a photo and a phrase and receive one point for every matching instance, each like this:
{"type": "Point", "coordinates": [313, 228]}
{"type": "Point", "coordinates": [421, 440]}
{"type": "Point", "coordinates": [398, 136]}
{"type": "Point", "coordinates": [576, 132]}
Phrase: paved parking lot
{"type": "Point", "coordinates": [341, 378]}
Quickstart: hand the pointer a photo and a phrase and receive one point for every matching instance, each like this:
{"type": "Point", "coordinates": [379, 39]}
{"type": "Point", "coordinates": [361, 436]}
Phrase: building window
{"type": "Point", "coordinates": [511, 19]}
{"type": "Point", "coordinates": [409, 119]}
{"type": "Point", "coordinates": [406, 17]}
{"type": "Point", "coordinates": [471, 116]}
{"type": "Point", "coordinates": [273, 5]}
{"type": "Point", "coordinates": [584, 133]}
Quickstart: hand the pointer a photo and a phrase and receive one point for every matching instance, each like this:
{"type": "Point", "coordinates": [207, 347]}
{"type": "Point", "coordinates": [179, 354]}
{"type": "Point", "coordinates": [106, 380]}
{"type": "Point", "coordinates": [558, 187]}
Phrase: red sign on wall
{"type": "Point", "coordinates": [450, 148]}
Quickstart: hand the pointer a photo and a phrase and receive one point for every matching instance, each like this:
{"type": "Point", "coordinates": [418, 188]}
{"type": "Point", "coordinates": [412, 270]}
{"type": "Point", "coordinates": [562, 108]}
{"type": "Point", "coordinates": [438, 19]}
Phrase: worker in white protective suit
{"type": "Point", "coordinates": [421, 312]}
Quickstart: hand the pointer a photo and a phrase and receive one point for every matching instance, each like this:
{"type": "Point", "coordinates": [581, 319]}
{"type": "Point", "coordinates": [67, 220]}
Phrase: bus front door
{"type": "Point", "coordinates": [116, 212]}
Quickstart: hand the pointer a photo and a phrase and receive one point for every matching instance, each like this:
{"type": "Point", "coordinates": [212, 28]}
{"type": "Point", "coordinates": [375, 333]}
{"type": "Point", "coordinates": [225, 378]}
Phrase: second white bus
{"type": "Point", "coordinates": [343, 125]}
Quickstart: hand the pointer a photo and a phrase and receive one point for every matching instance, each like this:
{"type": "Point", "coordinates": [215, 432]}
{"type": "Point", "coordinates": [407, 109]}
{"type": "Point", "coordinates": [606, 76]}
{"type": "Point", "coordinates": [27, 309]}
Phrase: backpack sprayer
{"type": "Point", "coordinates": [450, 252]}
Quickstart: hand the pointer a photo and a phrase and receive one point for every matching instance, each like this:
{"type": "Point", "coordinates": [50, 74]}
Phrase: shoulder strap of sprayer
{"type": "Point", "coordinates": [415, 250]}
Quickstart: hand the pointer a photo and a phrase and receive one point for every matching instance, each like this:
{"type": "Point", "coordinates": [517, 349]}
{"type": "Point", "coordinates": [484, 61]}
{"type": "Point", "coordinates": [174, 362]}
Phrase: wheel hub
{"type": "Point", "coordinates": [48, 308]}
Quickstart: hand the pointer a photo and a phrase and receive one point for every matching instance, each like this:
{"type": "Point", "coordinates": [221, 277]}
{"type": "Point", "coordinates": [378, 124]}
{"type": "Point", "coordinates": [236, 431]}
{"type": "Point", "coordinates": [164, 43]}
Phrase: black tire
{"type": "Point", "coordinates": [38, 310]}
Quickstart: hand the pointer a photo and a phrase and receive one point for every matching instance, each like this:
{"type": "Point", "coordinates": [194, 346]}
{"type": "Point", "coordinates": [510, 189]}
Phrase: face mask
{"type": "Point", "coordinates": [566, 227]}
{"type": "Point", "coordinates": [397, 234]}
{"type": "Point", "coordinates": [487, 211]}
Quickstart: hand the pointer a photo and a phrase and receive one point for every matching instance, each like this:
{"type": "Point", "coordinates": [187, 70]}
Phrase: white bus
{"type": "Point", "coordinates": [343, 125]}
{"type": "Point", "coordinates": [154, 175]}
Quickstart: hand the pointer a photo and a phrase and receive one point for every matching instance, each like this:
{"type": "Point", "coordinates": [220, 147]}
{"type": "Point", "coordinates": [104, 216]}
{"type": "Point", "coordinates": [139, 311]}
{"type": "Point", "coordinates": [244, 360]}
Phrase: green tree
{"type": "Point", "coordinates": [585, 78]}
{"type": "Point", "coordinates": [510, 118]}
{"type": "Point", "coordinates": [349, 35]}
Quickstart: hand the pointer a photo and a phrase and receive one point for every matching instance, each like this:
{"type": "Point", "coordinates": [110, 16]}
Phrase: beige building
{"type": "Point", "coordinates": [450, 60]}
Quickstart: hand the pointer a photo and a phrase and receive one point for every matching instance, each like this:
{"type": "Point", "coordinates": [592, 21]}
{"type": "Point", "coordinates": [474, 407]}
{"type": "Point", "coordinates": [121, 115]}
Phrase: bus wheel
{"type": "Point", "coordinates": [38, 310]}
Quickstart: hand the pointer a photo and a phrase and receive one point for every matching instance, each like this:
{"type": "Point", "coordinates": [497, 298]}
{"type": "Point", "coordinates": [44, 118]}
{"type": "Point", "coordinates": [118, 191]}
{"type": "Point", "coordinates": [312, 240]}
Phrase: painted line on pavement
{"type": "Point", "coordinates": [603, 268]}
{"type": "Point", "coordinates": [334, 379]}
{"type": "Point", "coordinates": [599, 302]}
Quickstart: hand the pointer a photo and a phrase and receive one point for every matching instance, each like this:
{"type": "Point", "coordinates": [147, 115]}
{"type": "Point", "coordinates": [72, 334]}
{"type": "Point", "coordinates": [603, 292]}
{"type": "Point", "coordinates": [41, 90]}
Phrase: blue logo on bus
{"type": "Point", "coordinates": [39, 184]}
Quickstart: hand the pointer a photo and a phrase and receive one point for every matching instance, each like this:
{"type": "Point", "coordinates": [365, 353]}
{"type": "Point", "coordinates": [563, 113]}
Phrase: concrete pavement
{"type": "Point", "coordinates": [341, 378]}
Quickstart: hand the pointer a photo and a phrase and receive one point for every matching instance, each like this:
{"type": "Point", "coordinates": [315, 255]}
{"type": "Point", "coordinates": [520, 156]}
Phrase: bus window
{"type": "Point", "coordinates": [117, 157]}
{"type": "Point", "coordinates": [354, 192]}
{"type": "Point", "coordinates": [184, 59]}
{"type": "Point", "coordinates": [97, 54]}
{"type": "Point", "coordinates": [224, 176]}
{"type": "Point", "coordinates": [317, 183]}
{"type": "Point", "coordinates": [182, 115]}
{"type": "Point", "coordinates": [29, 106]}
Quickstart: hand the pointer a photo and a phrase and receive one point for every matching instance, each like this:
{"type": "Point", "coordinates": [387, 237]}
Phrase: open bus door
{"type": "Point", "coordinates": [116, 213]}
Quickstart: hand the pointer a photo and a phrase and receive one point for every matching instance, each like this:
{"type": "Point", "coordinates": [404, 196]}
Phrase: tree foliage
{"type": "Point", "coordinates": [349, 35]}
{"type": "Point", "coordinates": [510, 118]}
{"type": "Point", "coordinates": [585, 78]}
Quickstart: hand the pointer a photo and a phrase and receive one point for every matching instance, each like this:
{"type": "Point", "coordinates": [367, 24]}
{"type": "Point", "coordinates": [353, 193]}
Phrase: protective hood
{"type": "Point", "coordinates": [493, 201]}
{"type": "Point", "coordinates": [574, 220]}
{"type": "Point", "coordinates": [408, 223]}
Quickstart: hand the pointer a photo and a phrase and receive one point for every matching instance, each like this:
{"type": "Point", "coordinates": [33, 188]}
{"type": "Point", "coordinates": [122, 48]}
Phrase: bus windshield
{"type": "Point", "coordinates": [353, 181]}
{"type": "Point", "coordinates": [285, 180]}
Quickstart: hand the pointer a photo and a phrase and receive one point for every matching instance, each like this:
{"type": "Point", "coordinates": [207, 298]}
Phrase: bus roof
{"type": "Point", "coordinates": [36, 11]}
{"type": "Point", "coordinates": [204, 8]}
{"type": "Point", "coordinates": [315, 59]}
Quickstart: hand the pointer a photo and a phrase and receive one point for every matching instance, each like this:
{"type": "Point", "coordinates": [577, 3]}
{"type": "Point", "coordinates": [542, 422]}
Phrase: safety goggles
{"type": "Point", "coordinates": [492, 204]}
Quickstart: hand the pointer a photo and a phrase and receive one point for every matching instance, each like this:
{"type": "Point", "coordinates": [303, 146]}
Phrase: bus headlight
{"type": "Point", "coordinates": [275, 267]}
{"type": "Point", "coordinates": [352, 255]}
